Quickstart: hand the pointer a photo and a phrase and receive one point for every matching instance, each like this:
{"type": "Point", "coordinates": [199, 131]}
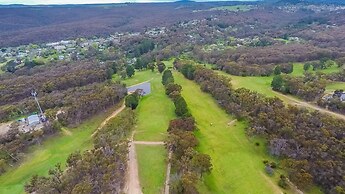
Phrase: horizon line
{"type": "Point", "coordinates": [126, 2]}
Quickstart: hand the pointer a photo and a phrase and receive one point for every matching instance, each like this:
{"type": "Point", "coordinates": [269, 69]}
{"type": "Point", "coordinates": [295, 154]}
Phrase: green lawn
{"type": "Point", "coordinates": [298, 69]}
{"type": "Point", "coordinates": [261, 85]}
{"type": "Point", "coordinates": [335, 86]}
{"type": "Point", "coordinates": [138, 77]}
{"type": "Point", "coordinates": [54, 150]}
{"type": "Point", "coordinates": [237, 162]}
{"type": "Point", "coordinates": [152, 167]}
{"type": "Point", "coordinates": [154, 113]}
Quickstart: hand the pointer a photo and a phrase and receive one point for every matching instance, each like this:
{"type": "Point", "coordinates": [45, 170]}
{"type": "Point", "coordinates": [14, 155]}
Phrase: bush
{"type": "Point", "coordinates": [181, 108]}
{"type": "Point", "coordinates": [283, 182]}
{"type": "Point", "coordinates": [132, 100]}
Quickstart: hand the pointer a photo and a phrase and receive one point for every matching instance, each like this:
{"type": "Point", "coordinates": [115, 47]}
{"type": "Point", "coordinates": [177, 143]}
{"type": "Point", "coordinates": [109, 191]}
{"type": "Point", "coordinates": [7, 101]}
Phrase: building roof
{"type": "Point", "coordinates": [33, 119]}
{"type": "Point", "coordinates": [146, 87]}
{"type": "Point", "coordinates": [342, 97]}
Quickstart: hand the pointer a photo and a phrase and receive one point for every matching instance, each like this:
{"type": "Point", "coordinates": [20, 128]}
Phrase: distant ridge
{"type": "Point", "coordinates": [185, 1]}
{"type": "Point", "coordinates": [281, 2]}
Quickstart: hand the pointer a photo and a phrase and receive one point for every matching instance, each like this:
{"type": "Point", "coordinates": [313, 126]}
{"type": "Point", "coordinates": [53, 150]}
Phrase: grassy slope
{"type": "Point", "coordinates": [237, 163]}
{"type": "Point", "coordinates": [152, 168]}
{"type": "Point", "coordinates": [154, 113]}
{"type": "Point", "coordinates": [335, 86]}
{"type": "Point", "coordinates": [54, 150]}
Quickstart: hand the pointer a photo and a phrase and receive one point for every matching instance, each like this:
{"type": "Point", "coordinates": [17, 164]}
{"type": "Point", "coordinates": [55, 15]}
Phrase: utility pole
{"type": "Point", "coordinates": [34, 94]}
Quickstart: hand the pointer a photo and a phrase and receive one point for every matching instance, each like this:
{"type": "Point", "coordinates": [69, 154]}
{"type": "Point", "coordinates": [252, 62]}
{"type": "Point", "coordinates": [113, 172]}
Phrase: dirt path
{"type": "Point", "coordinates": [116, 112]}
{"type": "Point", "coordinates": [133, 183]}
{"type": "Point", "coordinates": [149, 142]}
{"type": "Point", "coordinates": [167, 179]}
{"type": "Point", "coordinates": [311, 106]}
{"type": "Point", "coordinates": [232, 122]}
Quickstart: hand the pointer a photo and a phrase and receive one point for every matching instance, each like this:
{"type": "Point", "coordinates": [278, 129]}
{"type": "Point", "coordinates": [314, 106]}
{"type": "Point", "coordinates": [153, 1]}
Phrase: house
{"type": "Point", "coordinates": [339, 94]}
{"type": "Point", "coordinates": [33, 120]}
{"type": "Point", "coordinates": [143, 89]}
{"type": "Point", "coordinates": [342, 97]}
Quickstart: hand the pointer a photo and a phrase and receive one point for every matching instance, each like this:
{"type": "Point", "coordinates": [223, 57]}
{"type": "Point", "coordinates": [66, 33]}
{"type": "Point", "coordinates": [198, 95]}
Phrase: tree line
{"type": "Point", "coordinates": [309, 144]}
{"type": "Point", "coordinates": [188, 164]}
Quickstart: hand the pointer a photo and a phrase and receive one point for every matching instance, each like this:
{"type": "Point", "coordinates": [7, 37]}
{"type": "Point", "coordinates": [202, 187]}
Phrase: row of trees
{"type": "Point", "coordinates": [310, 144]}
{"type": "Point", "coordinates": [189, 165]}
{"type": "Point", "coordinates": [99, 170]}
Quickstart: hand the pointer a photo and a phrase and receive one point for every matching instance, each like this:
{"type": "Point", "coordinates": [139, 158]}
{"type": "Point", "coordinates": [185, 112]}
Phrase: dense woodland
{"type": "Point", "coordinates": [68, 93]}
{"type": "Point", "coordinates": [310, 144]}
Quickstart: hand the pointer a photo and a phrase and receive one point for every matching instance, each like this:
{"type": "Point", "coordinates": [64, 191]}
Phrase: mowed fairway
{"type": "Point", "coordinates": [154, 113]}
{"type": "Point", "coordinates": [237, 162]}
{"type": "Point", "coordinates": [152, 167]}
{"type": "Point", "coordinates": [54, 150]}
{"type": "Point", "coordinates": [155, 110]}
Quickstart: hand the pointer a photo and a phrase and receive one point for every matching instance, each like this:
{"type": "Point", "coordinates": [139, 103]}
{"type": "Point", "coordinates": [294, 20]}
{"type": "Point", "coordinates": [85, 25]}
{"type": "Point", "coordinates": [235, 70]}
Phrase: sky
{"type": "Point", "coordinates": [47, 2]}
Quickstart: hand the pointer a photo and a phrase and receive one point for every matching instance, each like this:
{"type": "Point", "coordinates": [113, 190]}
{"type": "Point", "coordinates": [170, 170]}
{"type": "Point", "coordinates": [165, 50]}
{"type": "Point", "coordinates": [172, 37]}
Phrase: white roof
{"type": "Point", "coordinates": [33, 119]}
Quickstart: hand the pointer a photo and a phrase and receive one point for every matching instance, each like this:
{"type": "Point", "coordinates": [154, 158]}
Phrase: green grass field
{"type": "Point", "coordinates": [298, 69]}
{"type": "Point", "coordinates": [152, 167]}
{"type": "Point", "coordinates": [155, 110]}
{"type": "Point", "coordinates": [154, 113]}
{"type": "Point", "coordinates": [331, 87]}
{"type": "Point", "coordinates": [53, 150]}
{"type": "Point", "coordinates": [237, 162]}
